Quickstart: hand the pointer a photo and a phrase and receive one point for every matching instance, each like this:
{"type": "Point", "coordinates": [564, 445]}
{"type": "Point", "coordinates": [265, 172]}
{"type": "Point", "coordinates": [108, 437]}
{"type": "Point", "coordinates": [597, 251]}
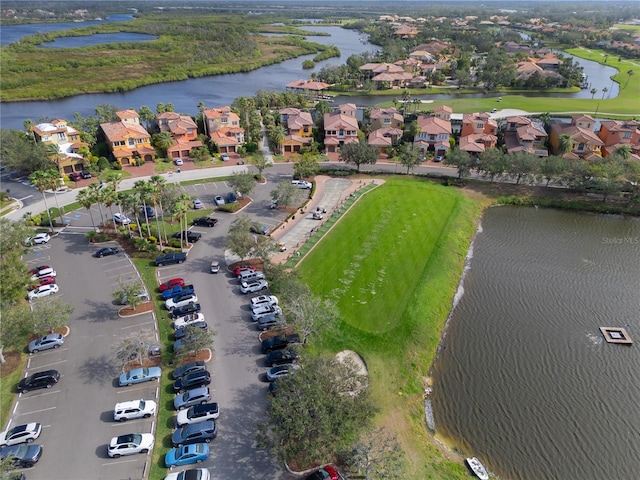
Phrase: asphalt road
{"type": "Point", "coordinates": [77, 413]}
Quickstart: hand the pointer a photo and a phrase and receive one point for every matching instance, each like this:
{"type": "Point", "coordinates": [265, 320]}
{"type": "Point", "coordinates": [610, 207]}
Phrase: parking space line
{"type": "Point", "coordinates": [133, 389]}
{"type": "Point", "coordinates": [123, 424]}
{"type": "Point", "coordinates": [38, 411]}
{"type": "Point", "coordinates": [54, 363]}
{"type": "Point", "coordinates": [119, 462]}
{"type": "Point", "coordinates": [38, 395]}
{"type": "Point", "coordinates": [137, 325]}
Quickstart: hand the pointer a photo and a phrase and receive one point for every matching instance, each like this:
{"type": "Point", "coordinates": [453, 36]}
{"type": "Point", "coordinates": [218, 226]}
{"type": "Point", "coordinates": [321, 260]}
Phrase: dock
{"type": "Point", "coordinates": [616, 335]}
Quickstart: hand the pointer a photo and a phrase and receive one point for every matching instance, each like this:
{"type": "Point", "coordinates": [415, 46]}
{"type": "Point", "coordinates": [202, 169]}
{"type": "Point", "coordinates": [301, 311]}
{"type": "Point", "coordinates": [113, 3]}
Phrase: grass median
{"type": "Point", "coordinates": [392, 265]}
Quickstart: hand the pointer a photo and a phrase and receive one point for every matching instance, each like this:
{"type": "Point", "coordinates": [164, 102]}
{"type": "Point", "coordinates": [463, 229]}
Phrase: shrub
{"type": "Point", "coordinates": [152, 239]}
{"type": "Point", "coordinates": [103, 163]}
{"type": "Point", "coordinates": [229, 207]}
{"type": "Point", "coordinates": [117, 165]}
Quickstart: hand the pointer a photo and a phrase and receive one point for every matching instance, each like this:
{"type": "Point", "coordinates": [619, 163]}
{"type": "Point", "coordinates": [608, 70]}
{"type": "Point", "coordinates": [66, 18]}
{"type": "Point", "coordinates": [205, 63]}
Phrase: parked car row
{"type": "Point", "coordinates": [42, 282]}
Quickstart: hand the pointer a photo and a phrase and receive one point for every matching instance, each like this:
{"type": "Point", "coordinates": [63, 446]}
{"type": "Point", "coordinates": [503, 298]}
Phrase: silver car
{"type": "Point", "coordinates": [191, 397]}
{"type": "Point", "coordinates": [53, 340]}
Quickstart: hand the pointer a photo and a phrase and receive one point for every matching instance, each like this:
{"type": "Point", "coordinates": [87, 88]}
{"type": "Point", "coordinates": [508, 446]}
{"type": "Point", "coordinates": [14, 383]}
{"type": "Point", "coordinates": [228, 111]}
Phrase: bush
{"type": "Point", "coordinates": [103, 163]}
{"type": "Point", "coordinates": [229, 207]}
{"type": "Point", "coordinates": [152, 239]}
{"type": "Point", "coordinates": [117, 165]}
{"type": "Point", "coordinates": [174, 243]}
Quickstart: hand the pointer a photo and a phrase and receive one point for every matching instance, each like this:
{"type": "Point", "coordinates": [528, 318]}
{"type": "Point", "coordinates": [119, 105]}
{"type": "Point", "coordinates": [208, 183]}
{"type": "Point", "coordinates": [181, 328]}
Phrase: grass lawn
{"type": "Point", "coordinates": [393, 265]}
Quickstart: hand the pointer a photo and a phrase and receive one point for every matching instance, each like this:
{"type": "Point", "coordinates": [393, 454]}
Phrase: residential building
{"type": "Point", "coordinates": [128, 141]}
{"type": "Point", "coordinates": [223, 127]}
{"type": "Point", "coordinates": [308, 87]}
{"type": "Point", "coordinates": [299, 126]}
{"type": "Point", "coordinates": [340, 128]}
{"type": "Point", "coordinates": [385, 118]}
{"type": "Point", "coordinates": [615, 133]}
{"type": "Point", "coordinates": [479, 132]}
{"type": "Point", "coordinates": [586, 144]}
{"type": "Point", "coordinates": [523, 134]}
{"type": "Point", "coordinates": [434, 135]}
{"type": "Point", "coordinates": [184, 132]}
{"type": "Point", "coordinates": [384, 138]}
{"type": "Point", "coordinates": [67, 141]}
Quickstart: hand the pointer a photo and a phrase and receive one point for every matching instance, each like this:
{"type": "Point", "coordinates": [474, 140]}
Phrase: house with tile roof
{"type": "Point", "coordinates": [223, 127]}
{"type": "Point", "coordinates": [616, 133]}
{"type": "Point", "coordinates": [385, 138]}
{"type": "Point", "coordinates": [340, 128]}
{"type": "Point", "coordinates": [478, 133]}
{"type": "Point", "coordinates": [385, 118]}
{"type": "Point", "coordinates": [184, 132]}
{"type": "Point", "coordinates": [299, 126]}
{"type": "Point", "coordinates": [308, 87]}
{"type": "Point", "coordinates": [127, 139]}
{"type": "Point", "coordinates": [586, 144]}
{"type": "Point", "coordinates": [67, 140]}
{"type": "Point", "coordinates": [434, 134]}
{"type": "Point", "coordinates": [521, 134]}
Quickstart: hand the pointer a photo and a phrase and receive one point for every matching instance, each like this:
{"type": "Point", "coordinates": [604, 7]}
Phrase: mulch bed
{"type": "Point", "coordinates": [142, 308]}
{"type": "Point", "coordinates": [250, 262]}
{"type": "Point", "coordinates": [12, 361]}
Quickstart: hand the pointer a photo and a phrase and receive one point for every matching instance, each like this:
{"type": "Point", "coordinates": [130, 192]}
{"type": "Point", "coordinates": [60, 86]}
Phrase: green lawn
{"type": "Point", "coordinates": [392, 265]}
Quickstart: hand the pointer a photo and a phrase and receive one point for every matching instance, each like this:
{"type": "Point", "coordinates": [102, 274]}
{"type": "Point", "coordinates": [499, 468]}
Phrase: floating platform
{"type": "Point", "coordinates": [616, 335]}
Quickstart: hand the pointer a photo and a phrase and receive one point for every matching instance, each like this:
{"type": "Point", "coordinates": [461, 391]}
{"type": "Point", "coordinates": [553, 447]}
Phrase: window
{"type": "Point", "coordinates": [131, 142]}
{"type": "Point", "coordinates": [627, 135]}
{"type": "Point", "coordinates": [480, 126]}
{"type": "Point", "coordinates": [581, 147]}
{"type": "Point", "coordinates": [62, 136]}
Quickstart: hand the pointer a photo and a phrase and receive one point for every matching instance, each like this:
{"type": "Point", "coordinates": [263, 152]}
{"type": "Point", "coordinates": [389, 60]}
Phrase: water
{"type": "Point", "coordinates": [13, 33]}
{"type": "Point", "coordinates": [523, 378]}
{"type": "Point", "coordinates": [98, 39]}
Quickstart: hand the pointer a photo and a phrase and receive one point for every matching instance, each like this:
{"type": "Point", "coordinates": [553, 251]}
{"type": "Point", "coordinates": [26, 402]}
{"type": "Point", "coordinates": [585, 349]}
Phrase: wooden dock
{"type": "Point", "coordinates": [616, 335]}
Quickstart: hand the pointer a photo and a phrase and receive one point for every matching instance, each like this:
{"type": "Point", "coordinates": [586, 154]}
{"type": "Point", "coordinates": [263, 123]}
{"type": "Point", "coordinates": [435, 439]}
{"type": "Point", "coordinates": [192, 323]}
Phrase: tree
{"type": "Point", "coordinates": [86, 199]}
{"type": "Point", "coordinates": [551, 168]}
{"type": "Point", "coordinates": [239, 239]}
{"type": "Point", "coordinates": [307, 166]}
{"type": "Point", "coordinates": [160, 184]}
{"type": "Point", "coordinates": [461, 160]}
{"type": "Point", "coordinates": [604, 92]}
{"type": "Point", "coordinates": [179, 210]}
{"type": "Point", "coordinates": [359, 154]}
{"type": "Point", "coordinates": [146, 115]}
{"type": "Point", "coordinates": [310, 315]}
{"type": "Point", "coordinates": [409, 156]}
{"type": "Point", "coordinates": [260, 162]}
{"type": "Point", "coordinates": [143, 189]}
{"type": "Point", "coordinates": [624, 151]}
{"type": "Point", "coordinates": [19, 152]}
{"type": "Point", "coordinates": [593, 92]}
{"type": "Point", "coordinates": [565, 144]}
{"type": "Point", "coordinates": [311, 416]}
{"type": "Point", "coordinates": [285, 193]}
{"type": "Point", "coordinates": [129, 294]}
{"type": "Point", "coordinates": [49, 315]}
{"type": "Point", "coordinates": [277, 136]}
{"type": "Point", "coordinates": [522, 165]}
{"type": "Point", "coordinates": [134, 346]}
{"type": "Point", "coordinates": [242, 183]}
{"type": "Point", "coordinates": [493, 163]}
{"type": "Point", "coordinates": [42, 181]}
{"type": "Point", "coordinates": [630, 73]}
{"type": "Point", "coordinates": [376, 456]}
{"type": "Point", "coordinates": [195, 340]}
{"type": "Point", "coordinates": [13, 272]}
{"type": "Point", "coordinates": [163, 141]}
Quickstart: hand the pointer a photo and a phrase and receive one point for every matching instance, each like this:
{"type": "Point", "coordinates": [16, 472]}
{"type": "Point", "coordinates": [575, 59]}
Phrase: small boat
{"type": "Point", "coordinates": [477, 468]}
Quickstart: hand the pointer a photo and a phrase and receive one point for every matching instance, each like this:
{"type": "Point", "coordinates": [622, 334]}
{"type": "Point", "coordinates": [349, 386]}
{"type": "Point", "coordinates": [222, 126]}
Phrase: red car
{"type": "Point", "coordinates": [174, 282]}
{"type": "Point", "coordinates": [46, 281]}
{"type": "Point", "coordinates": [328, 472]}
{"type": "Point", "coordinates": [33, 271]}
{"type": "Point", "coordinates": [244, 268]}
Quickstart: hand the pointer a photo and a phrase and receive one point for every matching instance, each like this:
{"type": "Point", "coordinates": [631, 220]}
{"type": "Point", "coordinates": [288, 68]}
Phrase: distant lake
{"type": "Point", "coordinates": [13, 33]}
{"type": "Point", "coordinates": [98, 39]}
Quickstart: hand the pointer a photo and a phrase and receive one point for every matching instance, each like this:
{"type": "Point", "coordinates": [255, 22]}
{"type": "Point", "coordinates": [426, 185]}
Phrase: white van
{"type": "Point", "coordinates": [250, 276]}
{"type": "Point", "coordinates": [301, 184]}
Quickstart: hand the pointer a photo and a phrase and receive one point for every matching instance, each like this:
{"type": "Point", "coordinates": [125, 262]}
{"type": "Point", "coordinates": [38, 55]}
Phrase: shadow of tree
{"type": "Point", "coordinates": [100, 370]}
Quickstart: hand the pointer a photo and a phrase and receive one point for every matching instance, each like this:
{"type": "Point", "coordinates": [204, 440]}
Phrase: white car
{"type": "Point", "coordinates": [280, 371]}
{"type": "Point", "coordinates": [193, 474]}
{"type": "Point", "coordinates": [42, 272]}
{"type": "Point", "coordinates": [130, 444]}
{"type": "Point", "coordinates": [38, 239]}
{"type": "Point", "coordinates": [188, 320]}
{"type": "Point", "coordinates": [264, 300]}
{"type": "Point", "coordinates": [124, 411]}
{"type": "Point", "coordinates": [198, 413]}
{"type": "Point", "coordinates": [218, 200]}
{"type": "Point", "coordinates": [43, 291]}
{"type": "Point", "coordinates": [121, 218]}
{"type": "Point", "coordinates": [26, 433]}
{"type": "Point", "coordinates": [301, 184]}
{"type": "Point", "coordinates": [265, 311]}
{"type": "Point", "coordinates": [252, 287]}
{"type": "Point", "coordinates": [181, 301]}
{"type": "Point", "coordinates": [178, 161]}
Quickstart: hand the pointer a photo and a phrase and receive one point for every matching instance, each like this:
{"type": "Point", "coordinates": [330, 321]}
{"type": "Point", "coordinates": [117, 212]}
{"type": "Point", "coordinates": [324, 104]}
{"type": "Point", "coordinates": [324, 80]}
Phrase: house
{"type": "Point", "coordinates": [299, 126]}
{"type": "Point", "coordinates": [616, 133]}
{"type": "Point", "coordinates": [523, 135]}
{"type": "Point", "coordinates": [443, 112]}
{"type": "Point", "coordinates": [434, 135]}
{"type": "Point", "coordinates": [63, 138]}
{"type": "Point", "coordinates": [307, 87]}
{"type": "Point", "coordinates": [223, 127]}
{"type": "Point", "coordinates": [384, 138]}
{"type": "Point", "coordinates": [340, 128]}
{"type": "Point", "coordinates": [385, 118]}
{"type": "Point", "coordinates": [478, 132]}
{"type": "Point", "coordinates": [184, 132]}
{"type": "Point", "coordinates": [128, 141]}
{"type": "Point", "coordinates": [586, 144]}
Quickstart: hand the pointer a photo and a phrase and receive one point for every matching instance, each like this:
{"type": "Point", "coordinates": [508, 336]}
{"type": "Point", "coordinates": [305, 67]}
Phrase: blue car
{"type": "Point", "coordinates": [186, 455]}
{"type": "Point", "coordinates": [140, 375]}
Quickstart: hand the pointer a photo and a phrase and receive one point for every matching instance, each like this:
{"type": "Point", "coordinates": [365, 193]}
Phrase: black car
{"type": "Point", "coordinates": [281, 357]}
{"type": "Point", "coordinates": [24, 456]}
{"type": "Point", "coordinates": [195, 433]}
{"type": "Point", "coordinates": [279, 342]}
{"type": "Point", "coordinates": [232, 198]}
{"type": "Point", "coordinates": [106, 251]}
{"type": "Point", "coordinates": [192, 380]}
{"type": "Point", "coordinates": [170, 259]}
{"type": "Point", "coordinates": [191, 237]}
{"type": "Point", "coordinates": [188, 368]}
{"type": "Point", "coordinates": [259, 229]}
{"type": "Point", "coordinates": [151, 213]}
{"type": "Point", "coordinates": [85, 174]}
{"type": "Point", "coordinates": [205, 222]}
{"type": "Point", "coordinates": [183, 331]}
{"type": "Point", "coordinates": [46, 379]}
{"type": "Point", "coordinates": [186, 310]}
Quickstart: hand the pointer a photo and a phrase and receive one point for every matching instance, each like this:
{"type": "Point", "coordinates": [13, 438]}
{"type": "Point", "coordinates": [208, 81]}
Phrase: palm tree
{"type": "Point", "coordinates": [593, 92]}
{"type": "Point", "coordinates": [28, 127]}
{"type": "Point", "coordinates": [159, 182]}
{"type": "Point", "coordinates": [42, 181]}
{"type": "Point", "coordinates": [85, 198]}
{"type": "Point", "coordinates": [163, 141]}
{"type": "Point", "coordinates": [565, 145]}
{"type": "Point", "coordinates": [180, 209]}
{"type": "Point", "coordinates": [53, 152]}
{"type": "Point", "coordinates": [604, 92]}
{"type": "Point", "coordinates": [96, 196]}
{"type": "Point", "coordinates": [624, 151]}
{"type": "Point", "coordinates": [142, 189]}
{"type": "Point", "coordinates": [109, 197]}
{"type": "Point", "coordinates": [147, 115]}
{"type": "Point", "coordinates": [128, 203]}
{"type": "Point", "coordinates": [629, 75]}
{"type": "Point", "coordinates": [277, 136]}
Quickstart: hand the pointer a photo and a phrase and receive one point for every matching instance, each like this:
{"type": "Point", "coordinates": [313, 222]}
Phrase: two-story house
{"type": "Point", "coordinates": [615, 133]}
{"type": "Point", "coordinates": [340, 127]}
{"type": "Point", "coordinates": [66, 140]}
{"type": "Point", "coordinates": [478, 133]}
{"type": "Point", "coordinates": [385, 118]}
{"type": "Point", "coordinates": [523, 134]}
{"type": "Point", "coordinates": [299, 126]}
{"type": "Point", "coordinates": [184, 132]}
{"type": "Point", "coordinates": [434, 134]}
{"type": "Point", "coordinates": [223, 127]}
{"type": "Point", "coordinates": [585, 143]}
{"type": "Point", "coordinates": [127, 139]}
